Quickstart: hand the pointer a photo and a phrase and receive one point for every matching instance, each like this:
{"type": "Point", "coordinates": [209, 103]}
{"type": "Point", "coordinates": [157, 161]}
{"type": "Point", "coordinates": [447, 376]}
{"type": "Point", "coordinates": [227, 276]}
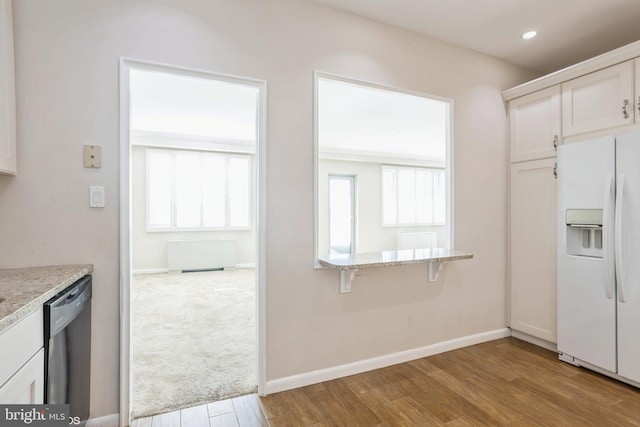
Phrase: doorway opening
{"type": "Point", "coordinates": [192, 214]}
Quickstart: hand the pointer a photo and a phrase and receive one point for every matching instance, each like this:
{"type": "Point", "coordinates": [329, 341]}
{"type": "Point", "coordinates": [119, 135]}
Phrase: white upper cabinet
{"type": "Point", "coordinates": [7, 92]}
{"type": "Point", "coordinates": [599, 100]}
{"type": "Point", "coordinates": [534, 123]}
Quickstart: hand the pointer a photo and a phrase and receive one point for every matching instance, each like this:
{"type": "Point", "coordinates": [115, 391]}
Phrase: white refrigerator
{"type": "Point", "coordinates": [599, 255]}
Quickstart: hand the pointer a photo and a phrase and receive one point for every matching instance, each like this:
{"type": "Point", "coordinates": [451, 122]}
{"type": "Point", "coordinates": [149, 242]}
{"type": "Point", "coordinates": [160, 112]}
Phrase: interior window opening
{"type": "Point", "coordinates": [397, 143]}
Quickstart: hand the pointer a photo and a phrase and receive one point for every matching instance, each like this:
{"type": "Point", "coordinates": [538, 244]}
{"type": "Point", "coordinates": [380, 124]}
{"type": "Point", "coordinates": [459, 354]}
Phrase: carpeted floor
{"type": "Point", "coordinates": [193, 339]}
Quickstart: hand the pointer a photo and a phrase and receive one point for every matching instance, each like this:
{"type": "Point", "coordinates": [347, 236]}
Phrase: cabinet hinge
{"type": "Point", "coordinates": [555, 170]}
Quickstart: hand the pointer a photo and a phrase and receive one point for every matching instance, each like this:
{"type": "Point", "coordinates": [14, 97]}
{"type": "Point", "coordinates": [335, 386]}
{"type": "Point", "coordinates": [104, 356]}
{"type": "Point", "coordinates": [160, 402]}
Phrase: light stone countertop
{"type": "Point", "coordinates": [24, 289]}
{"type": "Point", "coordinates": [391, 258]}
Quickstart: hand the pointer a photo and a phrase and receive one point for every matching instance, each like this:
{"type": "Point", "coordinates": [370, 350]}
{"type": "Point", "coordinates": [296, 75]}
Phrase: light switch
{"type": "Point", "coordinates": [96, 197]}
{"type": "Point", "coordinates": [92, 156]}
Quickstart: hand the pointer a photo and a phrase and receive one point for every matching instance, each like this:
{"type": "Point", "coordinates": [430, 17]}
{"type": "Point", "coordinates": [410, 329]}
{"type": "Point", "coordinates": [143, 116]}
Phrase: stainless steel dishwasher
{"type": "Point", "coordinates": [67, 348]}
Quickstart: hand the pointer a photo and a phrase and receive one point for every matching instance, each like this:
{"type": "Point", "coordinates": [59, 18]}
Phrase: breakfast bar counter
{"type": "Point", "coordinates": [348, 264]}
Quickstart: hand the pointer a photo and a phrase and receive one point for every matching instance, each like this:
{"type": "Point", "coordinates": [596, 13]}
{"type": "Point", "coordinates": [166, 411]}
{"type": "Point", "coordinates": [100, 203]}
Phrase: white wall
{"type": "Point", "coordinates": [149, 249]}
{"type": "Point", "coordinates": [371, 236]}
{"type": "Point", "coordinates": [67, 54]}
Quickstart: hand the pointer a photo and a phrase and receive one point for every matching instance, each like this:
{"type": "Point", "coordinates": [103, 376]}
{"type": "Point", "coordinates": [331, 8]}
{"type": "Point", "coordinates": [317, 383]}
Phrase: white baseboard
{"type": "Point", "coordinates": [314, 377]}
{"type": "Point", "coordinates": [112, 420]}
{"type": "Point", "coordinates": [533, 340]}
{"type": "Point", "coordinates": [248, 265]}
{"type": "Point", "coordinates": [150, 271]}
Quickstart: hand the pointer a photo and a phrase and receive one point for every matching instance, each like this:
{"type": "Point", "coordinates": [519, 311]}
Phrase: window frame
{"type": "Point", "coordinates": [448, 164]}
{"type": "Point", "coordinates": [174, 227]}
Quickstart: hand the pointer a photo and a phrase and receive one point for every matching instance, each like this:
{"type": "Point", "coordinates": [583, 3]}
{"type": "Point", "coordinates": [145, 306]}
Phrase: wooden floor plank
{"type": "Point", "coordinates": [338, 405]}
{"type": "Point", "coordinates": [485, 398]}
{"type": "Point", "coordinates": [443, 403]}
{"type": "Point", "coordinates": [506, 382]}
{"type": "Point", "coordinates": [284, 408]}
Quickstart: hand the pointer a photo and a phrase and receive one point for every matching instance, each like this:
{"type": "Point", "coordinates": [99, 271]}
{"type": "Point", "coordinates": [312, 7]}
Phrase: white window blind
{"type": "Point", "coordinates": [196, 190]}
{"type": "Point", "coordinates": [413, 196]}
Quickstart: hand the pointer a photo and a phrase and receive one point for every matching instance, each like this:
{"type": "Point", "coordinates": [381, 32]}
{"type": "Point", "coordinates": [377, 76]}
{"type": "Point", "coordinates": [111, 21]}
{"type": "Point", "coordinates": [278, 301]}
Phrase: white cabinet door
{"type": "Point", "coordinates": [27, 385]}
{"type": "Point", "coordinates": [534, 124]}
{"type": "Point", "coordinates": [19, 342]}
{"type": "Point", "coordinates": [600, 100]}
{"type": "Point", "coordinates": [532, 249]}
{"type": "Point", "coordinates": [7, 93]}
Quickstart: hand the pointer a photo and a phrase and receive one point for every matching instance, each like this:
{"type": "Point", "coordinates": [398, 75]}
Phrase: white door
{"type": "Point", "coordinates": [627, 160]}
{"type": "Point", "coordinates": [586, 310]}
{"type": "Point", "coordinates": [532, 249]}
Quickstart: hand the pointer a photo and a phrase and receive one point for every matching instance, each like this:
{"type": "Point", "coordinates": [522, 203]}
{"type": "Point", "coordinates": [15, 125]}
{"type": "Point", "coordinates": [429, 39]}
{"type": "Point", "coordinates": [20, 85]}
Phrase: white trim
{"type": "Point", "coordinates": [125, 222]}
{"type": "Point", "coordinates": [449, 226]}
{"type": "Point", "coordinates": [261, 227]}
{"type": "Point", "coordinates": [125, 247]}
{"type": "Point", "coordinates": [535, 341]}
{"type": "Point", "coordinates": [616, 56]}
{"type": "Point", "coordinates": [314, 377]}
{"type": "Point", "coordinates": [316, 163]}
{"type": "Point", "coordinates": [106, 421]}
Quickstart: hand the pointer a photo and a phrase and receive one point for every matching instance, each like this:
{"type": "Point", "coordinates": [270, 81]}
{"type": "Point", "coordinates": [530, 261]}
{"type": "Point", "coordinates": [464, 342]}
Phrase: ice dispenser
{"type": "Point", "coordinates": [584, 232]}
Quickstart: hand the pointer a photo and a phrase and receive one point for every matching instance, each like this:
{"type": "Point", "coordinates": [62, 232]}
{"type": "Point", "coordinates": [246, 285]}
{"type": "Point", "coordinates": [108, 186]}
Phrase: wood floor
{"type": "Point", "coordinates": [505, 382]}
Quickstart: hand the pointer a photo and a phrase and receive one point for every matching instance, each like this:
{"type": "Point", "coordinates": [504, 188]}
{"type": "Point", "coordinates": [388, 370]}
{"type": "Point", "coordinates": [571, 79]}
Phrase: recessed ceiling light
{"type": "Point", "coordinates": [529, 35]}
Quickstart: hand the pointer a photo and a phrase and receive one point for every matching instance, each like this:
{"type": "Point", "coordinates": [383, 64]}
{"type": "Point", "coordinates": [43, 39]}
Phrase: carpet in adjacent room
{"type": "Point", "coordinates": [193, 339]}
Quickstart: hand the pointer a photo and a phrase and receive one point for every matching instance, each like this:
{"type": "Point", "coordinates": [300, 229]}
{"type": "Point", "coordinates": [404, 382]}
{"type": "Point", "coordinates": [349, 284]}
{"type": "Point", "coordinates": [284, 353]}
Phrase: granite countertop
{"type": "Point", "coordinates": [22, 290]}
{"type": "Point", "coordinates": [390, 258]}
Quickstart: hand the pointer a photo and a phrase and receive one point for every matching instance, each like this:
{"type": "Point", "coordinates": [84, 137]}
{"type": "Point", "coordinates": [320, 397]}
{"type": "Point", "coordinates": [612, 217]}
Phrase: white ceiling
{"type": "Point", "coordinates": [569, 31]}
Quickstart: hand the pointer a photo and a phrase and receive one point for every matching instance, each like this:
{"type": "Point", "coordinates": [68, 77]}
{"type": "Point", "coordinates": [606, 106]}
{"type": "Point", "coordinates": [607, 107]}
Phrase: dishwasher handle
{"type": "Point", "coordinates": [60, 310]}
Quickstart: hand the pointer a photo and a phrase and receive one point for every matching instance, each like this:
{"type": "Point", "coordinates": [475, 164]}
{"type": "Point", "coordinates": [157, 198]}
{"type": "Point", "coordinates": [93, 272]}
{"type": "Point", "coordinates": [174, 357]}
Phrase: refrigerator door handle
{"type": "Point", "coordinates": [608, 235]}
{"type": "Point", "coordinates": [620, 267]}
